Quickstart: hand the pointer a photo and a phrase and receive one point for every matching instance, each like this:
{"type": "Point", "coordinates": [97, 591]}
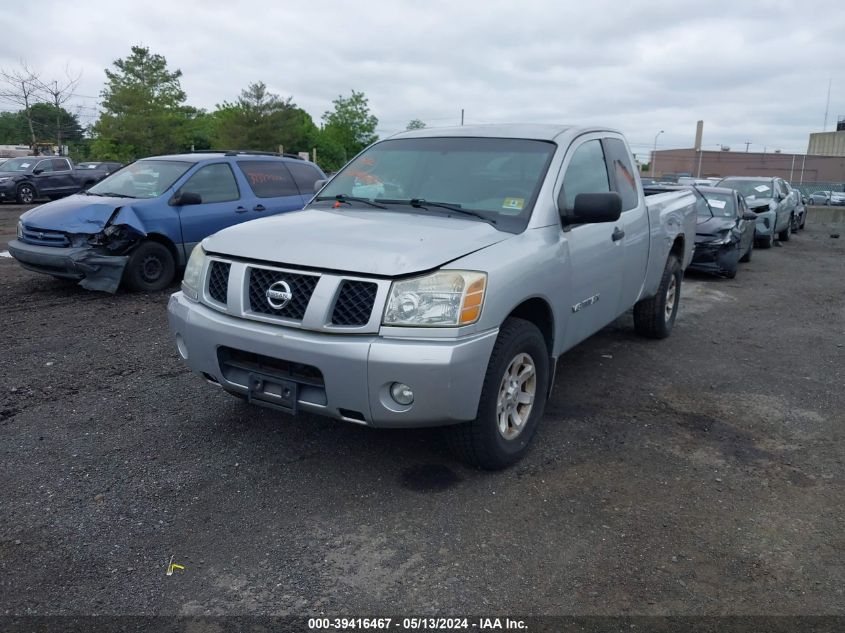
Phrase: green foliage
{"type": "Point", "coordinates": [143, 112]}
{"type": "Point", "coordinates": [350, 124]}
{"type": "Point", "coordinates": [14, 129]}
{"type": "Point", "coordinates": [261, 120]}
{"type": "Point", "coordinates": [415, 124]}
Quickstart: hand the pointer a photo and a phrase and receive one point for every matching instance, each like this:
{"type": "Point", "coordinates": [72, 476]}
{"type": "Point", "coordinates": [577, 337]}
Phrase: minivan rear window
{"type": "Point", "coordinates": [269, 178]}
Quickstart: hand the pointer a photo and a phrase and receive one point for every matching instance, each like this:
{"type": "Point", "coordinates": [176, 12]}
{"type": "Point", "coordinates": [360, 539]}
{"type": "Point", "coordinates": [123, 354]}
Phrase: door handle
{"type": "Point", "coordinates": [240, 210]}
{"type": "Point", "coordinates": [259, 207]}
{"type": "Point", "coordinates": [618, 234]}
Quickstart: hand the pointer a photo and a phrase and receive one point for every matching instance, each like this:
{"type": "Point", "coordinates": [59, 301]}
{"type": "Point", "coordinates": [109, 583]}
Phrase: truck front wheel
{"type": "Point", "coordinates": [513, 398]}
{"type": "Point", "coordinates": [655, 316]}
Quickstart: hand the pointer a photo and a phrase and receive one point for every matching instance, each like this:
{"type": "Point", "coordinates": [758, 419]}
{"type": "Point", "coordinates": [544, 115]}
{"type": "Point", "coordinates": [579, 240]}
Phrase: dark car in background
{"type": "Point", "coordinates": [799, 215]}
{"type": "Point", "coordinates": [106, 166]}
{"type": "Point", "coordinates": [724, 231]}
{"type": "Point", "coordinates": [26, 178]}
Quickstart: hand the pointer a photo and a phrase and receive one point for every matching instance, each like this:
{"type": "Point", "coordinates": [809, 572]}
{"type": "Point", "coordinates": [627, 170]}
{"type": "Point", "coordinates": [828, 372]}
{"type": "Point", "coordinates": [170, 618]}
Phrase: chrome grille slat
{"type": "Point", "coordinates": [42, 237]}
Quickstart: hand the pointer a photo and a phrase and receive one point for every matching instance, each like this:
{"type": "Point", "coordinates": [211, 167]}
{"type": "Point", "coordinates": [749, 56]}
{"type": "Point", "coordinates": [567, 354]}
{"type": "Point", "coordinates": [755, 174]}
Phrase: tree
{"type": "Point", "coordinates": [261, 120]}
{"type": "Point", "coordinates": [350, 124]}
{"type": "Point", "coordinates": [45, 120]}
{"type": "Point", "coordinates": [143, 111]}
{"type": "Point", "coordinates": [415, 124]}
{"type": "Point", "coordinates": [22, 87]}
{"type": "Point", "coordinates": [59, 94]}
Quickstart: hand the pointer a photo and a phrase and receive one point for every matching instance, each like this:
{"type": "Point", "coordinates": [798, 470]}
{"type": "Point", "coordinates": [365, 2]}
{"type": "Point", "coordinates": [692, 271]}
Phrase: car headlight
{"type": "Point", "coordinates": [447, 298]}
{"type": "Point", "coordinates": [20, 229]}
{"type": "Point", "coordinates": [193, 271]}
{"type": "Point", "coordinates": [5, 178]}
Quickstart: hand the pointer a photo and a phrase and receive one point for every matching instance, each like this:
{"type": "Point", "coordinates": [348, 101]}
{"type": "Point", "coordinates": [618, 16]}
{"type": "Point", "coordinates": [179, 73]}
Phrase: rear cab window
{"type": "Point", "coordinates": [622, 173]}
{"type": "Point", "coordinates": [269, 178]}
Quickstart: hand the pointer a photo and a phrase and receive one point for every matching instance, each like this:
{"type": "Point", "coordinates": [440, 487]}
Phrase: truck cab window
{"type": "Point", "coordinates": [586, 173]}
{"type": "Point", "coordinates": [624, 181]}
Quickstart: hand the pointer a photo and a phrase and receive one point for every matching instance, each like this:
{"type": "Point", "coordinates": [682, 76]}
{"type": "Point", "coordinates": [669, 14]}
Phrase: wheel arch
{"type": "Point", "coordinates": [168, 243]}
{"type": "Point", "coordinates": [538, 311]}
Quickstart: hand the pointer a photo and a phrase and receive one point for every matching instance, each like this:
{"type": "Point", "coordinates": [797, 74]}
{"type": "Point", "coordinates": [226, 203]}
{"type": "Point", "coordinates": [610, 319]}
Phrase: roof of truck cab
{"type": "Point", "coordinates": [538, 131]}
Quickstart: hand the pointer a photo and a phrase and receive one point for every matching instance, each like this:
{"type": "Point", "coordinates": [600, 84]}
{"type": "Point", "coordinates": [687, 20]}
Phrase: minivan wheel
{"type": "Point", "coordinates": [26, 194]}
{"type": "Point", "coordinates": [655, 316]}
{"type": "Point", "coordinates": [747, 257]}
{"type": "Point", "coordinates": [151, 267]}
{"type": "Point", "coordinates": [513, 397]}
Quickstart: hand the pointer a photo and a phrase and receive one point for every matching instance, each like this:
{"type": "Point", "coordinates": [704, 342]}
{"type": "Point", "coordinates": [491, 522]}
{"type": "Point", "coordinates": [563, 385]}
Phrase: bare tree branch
{"type": "Point", "coordinates": [22, 87]}
{"type": "Point", "coordinates": [59, 94]}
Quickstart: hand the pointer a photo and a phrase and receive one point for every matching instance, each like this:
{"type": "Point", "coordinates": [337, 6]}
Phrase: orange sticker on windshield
{"type": "Point", "coordinates": [513, 203]}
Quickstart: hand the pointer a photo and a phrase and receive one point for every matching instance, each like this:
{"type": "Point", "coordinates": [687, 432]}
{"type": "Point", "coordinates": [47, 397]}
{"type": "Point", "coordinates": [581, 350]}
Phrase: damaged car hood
{"type": "Point", "coordinates": [83, 214]}
{"type": "Point", "coordinates": [384, 243]}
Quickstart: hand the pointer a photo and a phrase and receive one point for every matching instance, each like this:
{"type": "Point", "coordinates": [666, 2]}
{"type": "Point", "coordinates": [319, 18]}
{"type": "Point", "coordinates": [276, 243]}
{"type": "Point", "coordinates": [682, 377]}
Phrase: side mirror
{"type": "Point", "coordinates": [591, 208]}
{"type": "Point", "coordinates": [37, 172]}
{"type": "Point", "coordinates": [749, 215]}
{"type": "Point", "coordinates": [185, 198]}
{"type": "Point", "coordinates": [318, 184]}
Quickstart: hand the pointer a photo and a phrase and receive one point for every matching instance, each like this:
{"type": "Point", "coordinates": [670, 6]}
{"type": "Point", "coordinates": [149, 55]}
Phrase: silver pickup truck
{"type": "Point", "coordinates": [435, 280]}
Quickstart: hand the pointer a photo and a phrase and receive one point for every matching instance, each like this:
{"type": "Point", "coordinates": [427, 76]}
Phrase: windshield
{"type": "Point", "coordinates": [722, 204]}
{"type": "Point", "coordinates": [19, 164]}
{"type": "Point", "coordinates": [143, 179]}
{"type": "Point", "coordinates": [494, 179]}
{"type": "Point", "coordinates": [750, 189]}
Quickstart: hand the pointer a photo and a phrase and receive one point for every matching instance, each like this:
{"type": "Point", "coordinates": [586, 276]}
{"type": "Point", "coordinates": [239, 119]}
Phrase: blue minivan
{"type": "Point", "coordinates": [140, 224]}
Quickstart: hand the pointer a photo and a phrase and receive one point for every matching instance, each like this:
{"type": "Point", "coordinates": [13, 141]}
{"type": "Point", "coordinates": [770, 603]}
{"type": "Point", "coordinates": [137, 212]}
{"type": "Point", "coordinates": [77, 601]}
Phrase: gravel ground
{"type": "Point", "coordinates": [698, 475]}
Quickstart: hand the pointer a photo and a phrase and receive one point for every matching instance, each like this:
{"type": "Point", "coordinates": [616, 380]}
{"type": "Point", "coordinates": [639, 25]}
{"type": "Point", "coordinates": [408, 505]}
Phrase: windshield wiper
{"type": "Point", "coordinates": [421, 203]}
{"type": "Point", "coordinates": [110, 194]}
{"type": "Point", "coordinates": [341, 197]}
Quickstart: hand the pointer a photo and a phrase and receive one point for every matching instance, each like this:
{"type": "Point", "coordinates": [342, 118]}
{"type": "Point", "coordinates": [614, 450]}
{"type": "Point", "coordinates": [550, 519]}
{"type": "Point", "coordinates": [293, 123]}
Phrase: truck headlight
{"type": "Point", "coordinates": [447, 298]}
{"type": "Point", "coordinates": [193, 271]}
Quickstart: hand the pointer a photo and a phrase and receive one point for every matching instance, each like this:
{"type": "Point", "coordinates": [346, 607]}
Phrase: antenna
{"type": "Point", "coordinates": [827, 105]}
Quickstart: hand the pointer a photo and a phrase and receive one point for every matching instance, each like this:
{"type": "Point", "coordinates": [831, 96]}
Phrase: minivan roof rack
{"type": "Point", "coordinates": [248, 152]}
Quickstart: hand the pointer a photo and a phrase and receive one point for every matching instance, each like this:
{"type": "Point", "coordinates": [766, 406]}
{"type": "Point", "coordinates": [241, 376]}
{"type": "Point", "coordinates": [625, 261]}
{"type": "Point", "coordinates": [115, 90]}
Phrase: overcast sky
{"type": "Point", "coordinates": [752, 70]}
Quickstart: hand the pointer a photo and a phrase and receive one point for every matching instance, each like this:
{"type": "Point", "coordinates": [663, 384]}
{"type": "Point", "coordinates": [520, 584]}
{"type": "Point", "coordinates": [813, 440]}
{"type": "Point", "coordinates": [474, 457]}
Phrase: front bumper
{"type": "Point", "coordinates": [93, 270]}
{"type": "Point", "coordinates": [446, 375]}
{"type": "Point", "coordinates": [8, 191]}
{"type": "Point", "coordinates": [715, 258]}
{"type": "Point", "coordinates": [765, 225]}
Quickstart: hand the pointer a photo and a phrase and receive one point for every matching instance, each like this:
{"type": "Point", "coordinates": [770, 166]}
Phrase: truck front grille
{"type": "Point", "coordinates": [354, 303]}
{"type": "Point", "coordinates": [43, 237]}
{"type": "Point", "coordinates": [301, 288]}
{"type": "Point", "coordinates": [218, 280]}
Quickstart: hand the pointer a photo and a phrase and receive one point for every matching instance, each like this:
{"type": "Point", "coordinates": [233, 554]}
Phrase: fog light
{"type": "Point", "coordinates": [401, 393]}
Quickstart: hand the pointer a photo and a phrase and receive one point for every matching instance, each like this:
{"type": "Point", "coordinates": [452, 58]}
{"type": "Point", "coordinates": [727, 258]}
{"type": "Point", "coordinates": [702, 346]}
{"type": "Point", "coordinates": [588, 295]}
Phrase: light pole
{"type": "Point", "coordinates": [654, 153]}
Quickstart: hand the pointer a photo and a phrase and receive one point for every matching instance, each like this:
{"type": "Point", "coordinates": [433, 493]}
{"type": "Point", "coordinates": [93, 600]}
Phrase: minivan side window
{"type": "Point", "coordinates": [214, 183]}
{"type": "Point", "coordinates": [269, 178]}
{"type": "Point", "coordinates": [624, 181]}
{"type": "Point", "coordinates": [586, 173]}
{"type": "Point", "coordinates": [305, 176]}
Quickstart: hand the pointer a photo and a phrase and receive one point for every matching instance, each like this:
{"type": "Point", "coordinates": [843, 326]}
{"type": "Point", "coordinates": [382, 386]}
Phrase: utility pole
{"type": "Point", "coordinates": [803, 160]}
{"type": "Point", "coordinates": [827, 105]}
{"type": "Point", "coordinates": [792, 169]}
{"type": "Point", "coordinates": [654, 153]}
{"type": "Point", "coordinates": [462, 116]}
{"type": "Point", "coordinates": [747, 143]}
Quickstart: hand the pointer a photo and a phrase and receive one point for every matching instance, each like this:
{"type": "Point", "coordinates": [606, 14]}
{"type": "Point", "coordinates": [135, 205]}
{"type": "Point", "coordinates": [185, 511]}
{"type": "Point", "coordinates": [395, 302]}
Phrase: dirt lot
{"type": "Point", "coordinates": [698, 475]}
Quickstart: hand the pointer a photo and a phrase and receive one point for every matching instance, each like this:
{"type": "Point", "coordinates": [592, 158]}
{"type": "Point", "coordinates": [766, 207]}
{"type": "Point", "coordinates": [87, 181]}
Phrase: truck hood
{"type": "Point", "coordinates": [383, 243]}
{"type": "Point", "coordinates": [82, 214]}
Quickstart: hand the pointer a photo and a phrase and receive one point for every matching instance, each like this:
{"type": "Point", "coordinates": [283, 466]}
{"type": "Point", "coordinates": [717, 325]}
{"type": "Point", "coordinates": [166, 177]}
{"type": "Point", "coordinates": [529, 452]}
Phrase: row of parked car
{"type": "Point", "coordinates": [737, 213]}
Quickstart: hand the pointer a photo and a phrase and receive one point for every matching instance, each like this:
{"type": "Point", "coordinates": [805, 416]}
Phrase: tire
{"type": "Point", "coordinates": [480, 442]}
{"type": "Point", "coordinates": [766, 242]}
{"type": "Point", "coordinates": [784, 235]}
{"type": "Point", "coordinates": [803, 220]}
{"type": "Point", "coordinates": [747, 257]}
{"type": "Point", "coordinates": [730, 273]}
{"type": "Point", "coordinates": [655, 316]}
{"type": "Point", "coordinates": [26, 194]}
{"type": "Point", "coordinates": [151, 267]}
